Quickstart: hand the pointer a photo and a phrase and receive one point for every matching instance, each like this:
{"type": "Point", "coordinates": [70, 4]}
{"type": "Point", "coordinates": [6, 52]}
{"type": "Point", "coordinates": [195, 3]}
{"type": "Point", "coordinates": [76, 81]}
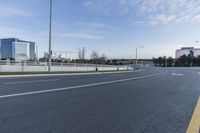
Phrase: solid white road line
{"type": "Point", "coordinates": [80, 86]}
{"type": "Point", "coordinates": [33, 81]}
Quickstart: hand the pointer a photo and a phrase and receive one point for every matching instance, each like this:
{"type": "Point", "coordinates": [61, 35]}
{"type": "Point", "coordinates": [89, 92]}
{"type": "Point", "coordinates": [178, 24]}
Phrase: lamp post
{"type": "Point", "coordinates": [136, 57]}
{"type": "Point", "coordinates": [50, 25]}
{"type": "Point", "coordinates": [166, 62]}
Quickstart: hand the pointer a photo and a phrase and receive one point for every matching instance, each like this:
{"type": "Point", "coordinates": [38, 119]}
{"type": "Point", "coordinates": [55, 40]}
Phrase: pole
{"type": "Point", "coordinates": [166, 62]}
{"type": "Point", "coordinates": [50, 25]}
{"type": "Point", "coordinates": [136, 60]}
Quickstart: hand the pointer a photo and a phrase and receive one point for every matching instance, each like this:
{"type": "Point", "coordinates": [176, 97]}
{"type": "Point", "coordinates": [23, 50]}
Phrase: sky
{"type": "Point", "coordinates": [111, 27]}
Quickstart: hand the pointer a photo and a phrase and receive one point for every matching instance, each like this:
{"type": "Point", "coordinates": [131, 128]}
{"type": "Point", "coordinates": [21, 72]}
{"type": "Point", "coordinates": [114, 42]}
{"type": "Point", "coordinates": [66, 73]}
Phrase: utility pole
{"type": "Point", "coordinates": [50, 25]}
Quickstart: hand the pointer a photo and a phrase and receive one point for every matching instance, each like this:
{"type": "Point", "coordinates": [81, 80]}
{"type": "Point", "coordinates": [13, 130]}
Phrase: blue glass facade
{"type": "Point", "coordinates": [32, 51]}
{"type": "Point", "coordinates": [7, 48]}
{"type": "Point", "coordinates": [15, 49]}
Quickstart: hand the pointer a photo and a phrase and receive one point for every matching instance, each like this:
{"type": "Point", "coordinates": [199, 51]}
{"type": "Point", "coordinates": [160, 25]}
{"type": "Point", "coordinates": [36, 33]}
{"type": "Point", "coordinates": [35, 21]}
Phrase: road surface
{"type": "Point", "coordinates": [157, 100]}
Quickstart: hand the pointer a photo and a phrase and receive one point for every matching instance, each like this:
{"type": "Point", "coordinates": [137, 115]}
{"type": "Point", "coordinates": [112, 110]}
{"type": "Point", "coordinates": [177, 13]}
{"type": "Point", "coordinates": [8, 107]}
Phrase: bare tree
{"type": "Point", "coordinates": [103, 59]}
{"type": "Point", "coordinates": [94, 55]}
{"type": "Point", "coordinates": [81, 53]}
{"type": "Point", "coordinates": [103, 56]}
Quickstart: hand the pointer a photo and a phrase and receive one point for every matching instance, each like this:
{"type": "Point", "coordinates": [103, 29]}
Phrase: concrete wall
{"type": "Point", "coordinates": [19, 68]}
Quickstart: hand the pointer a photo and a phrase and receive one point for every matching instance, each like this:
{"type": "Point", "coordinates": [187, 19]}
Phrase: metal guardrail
{"type": "Point", "coordinates": [33, 63]}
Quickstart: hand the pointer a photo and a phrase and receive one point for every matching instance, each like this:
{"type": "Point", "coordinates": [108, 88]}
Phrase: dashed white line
{"type": "Point", "coordinates": [80, 86]}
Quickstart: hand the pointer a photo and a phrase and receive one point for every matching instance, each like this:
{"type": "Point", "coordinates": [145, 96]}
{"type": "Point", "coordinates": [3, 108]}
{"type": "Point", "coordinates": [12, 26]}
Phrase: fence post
{"type": "Point", "coordinates": [24, 65]}
{"type": "Point", "coordinates": [61, 66]}
{"type": "Point", "coordinates": [7, 62]}
{"type": "Point", "coordinates": [45, 66]}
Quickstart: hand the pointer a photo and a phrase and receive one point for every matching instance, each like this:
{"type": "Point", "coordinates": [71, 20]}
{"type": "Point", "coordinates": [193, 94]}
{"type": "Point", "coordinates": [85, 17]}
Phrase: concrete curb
{"type": "Point", "coordinates": [66, 74]}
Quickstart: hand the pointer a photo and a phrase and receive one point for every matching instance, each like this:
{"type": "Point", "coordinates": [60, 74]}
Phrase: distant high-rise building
{"type": "Point", "coordinates": [187, 51]}
{"type": "Point", "coordinates": [15, 49]}
{"type": "Point", "coordinates": [32, 51]}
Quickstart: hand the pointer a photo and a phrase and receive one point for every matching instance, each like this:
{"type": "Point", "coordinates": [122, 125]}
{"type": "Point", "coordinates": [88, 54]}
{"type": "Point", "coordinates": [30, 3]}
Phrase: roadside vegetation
{"type": "Point", "coordinates": [183, 61]}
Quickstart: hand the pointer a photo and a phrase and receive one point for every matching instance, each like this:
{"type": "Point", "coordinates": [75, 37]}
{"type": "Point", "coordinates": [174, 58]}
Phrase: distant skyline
{"type": "Point", "coordinates": [111, 27]}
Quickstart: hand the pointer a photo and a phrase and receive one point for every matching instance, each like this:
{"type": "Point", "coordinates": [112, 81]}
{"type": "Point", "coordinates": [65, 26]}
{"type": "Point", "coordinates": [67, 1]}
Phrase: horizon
{"type": "Point", "coordinates": [113, 28]}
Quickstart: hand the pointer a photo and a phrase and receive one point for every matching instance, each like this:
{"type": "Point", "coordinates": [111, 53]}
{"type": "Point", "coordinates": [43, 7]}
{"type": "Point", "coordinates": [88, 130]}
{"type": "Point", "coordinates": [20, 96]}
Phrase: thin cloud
{"type": "Point", "coordinates": [6, 10]}
{"type": "Point", "coordinates": [152, 11]}
{"type": "Point", "coordinates": [94, 25]}
{"type": "Point", "coordinates": [161, 19]}
{"type": "Point", "coordinates": [7, 32]}
{"type": "Point", "coordinates": [82, 36]}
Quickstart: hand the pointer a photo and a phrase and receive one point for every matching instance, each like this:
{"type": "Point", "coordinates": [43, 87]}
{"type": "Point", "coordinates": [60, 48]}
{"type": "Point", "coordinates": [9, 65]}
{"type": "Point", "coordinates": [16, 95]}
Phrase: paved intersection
{"type": "Point", "coordinates": [157, 100]}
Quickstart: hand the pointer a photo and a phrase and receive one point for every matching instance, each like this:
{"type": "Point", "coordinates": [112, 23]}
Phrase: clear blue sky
{"type": "Point", "coordinates": [113, 27]}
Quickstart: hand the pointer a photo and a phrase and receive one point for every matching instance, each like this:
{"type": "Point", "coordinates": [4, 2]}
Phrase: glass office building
{"type": "Point", "coordinates": [7, 49]}
{"type": "Point", "coordinates": [15, 49]}
{"type": "Point", "coordinates": [32, 51]}
{"type": "Point", "coordinates": [20, 51]}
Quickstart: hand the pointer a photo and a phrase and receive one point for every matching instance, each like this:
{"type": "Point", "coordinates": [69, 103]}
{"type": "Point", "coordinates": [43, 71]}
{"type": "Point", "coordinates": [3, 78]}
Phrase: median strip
{"type": "Point", "coordinates": [80, 86]}
{"type": "Point", "coordinates": [194, 126]}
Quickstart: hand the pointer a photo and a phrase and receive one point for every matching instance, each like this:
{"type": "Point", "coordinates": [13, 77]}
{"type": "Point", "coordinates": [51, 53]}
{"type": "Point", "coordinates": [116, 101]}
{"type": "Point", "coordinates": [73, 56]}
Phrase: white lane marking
{"type": "Point", "coordinates": [81, 86]}
{"type": "Point", "coordinates": [33, 81]}
{"type": "Point", "coordinates": [177, 74]}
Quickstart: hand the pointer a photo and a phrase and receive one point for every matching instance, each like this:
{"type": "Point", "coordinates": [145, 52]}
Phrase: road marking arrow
{"type": "Point", "coordinates": [177, 74]}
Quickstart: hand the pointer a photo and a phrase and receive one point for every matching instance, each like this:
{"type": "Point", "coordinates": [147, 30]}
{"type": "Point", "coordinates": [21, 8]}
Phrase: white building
{"type": "Point", "coordinates": [186, 51]}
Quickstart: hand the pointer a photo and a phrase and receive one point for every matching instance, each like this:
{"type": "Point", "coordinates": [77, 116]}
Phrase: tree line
{"type": "Point", "coordinates": [183, 61]}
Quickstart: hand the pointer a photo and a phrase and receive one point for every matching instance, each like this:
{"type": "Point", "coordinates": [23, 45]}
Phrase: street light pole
{"type": "Point", "coordinates": [136, 56]}
{"type": "Point", "coordinates": [50, 25]}
{"type": "Point", "coordinates": [136, 59]}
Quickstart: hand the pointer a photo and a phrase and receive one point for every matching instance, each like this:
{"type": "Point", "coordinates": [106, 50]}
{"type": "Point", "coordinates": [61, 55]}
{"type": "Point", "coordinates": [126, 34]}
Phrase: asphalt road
{"type": "Point", "coordinates": [151, 101]}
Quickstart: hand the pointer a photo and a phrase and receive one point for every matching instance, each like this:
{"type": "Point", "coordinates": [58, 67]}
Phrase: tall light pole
{"type": "Point", "coordinates": [50, 25]}
{"type": "Point", "coordinates": [136, 56]}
